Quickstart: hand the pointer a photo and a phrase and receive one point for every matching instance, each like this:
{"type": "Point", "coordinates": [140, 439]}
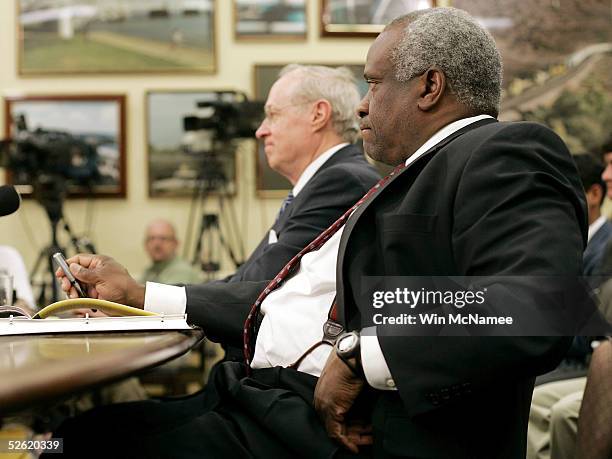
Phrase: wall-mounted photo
{"type": "Point", "coordinates": [191, 140]}
{"type": "Point", "coordinates": [119, 36]}
{"type": "Point", "coordinates": [557, 58]}
{"type": "Point", "coordinates": [271, 184]}
{"type": "Point", "coordinates": [270, 19]}
{"type": "Point", "coordinates": [364, 18]}
{"type": "Point", "coordinates": [66, 144]}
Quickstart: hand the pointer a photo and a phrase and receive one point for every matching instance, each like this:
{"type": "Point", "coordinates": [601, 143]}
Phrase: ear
{"type": "Point", "coordinates": [433, 87]}
{"type": "Point", "coordinates": [321, 114]}
{"type": "Point", "coordinates": [594, 195]}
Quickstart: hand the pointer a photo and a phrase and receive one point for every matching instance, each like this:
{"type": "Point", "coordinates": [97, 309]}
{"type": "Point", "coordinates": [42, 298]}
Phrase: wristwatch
{"type": "Point", "coordinates": [349, 350]}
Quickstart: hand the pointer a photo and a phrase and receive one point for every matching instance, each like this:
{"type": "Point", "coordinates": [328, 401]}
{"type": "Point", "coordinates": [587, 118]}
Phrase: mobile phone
{"type": "Point", "coordinates": [61, 262]}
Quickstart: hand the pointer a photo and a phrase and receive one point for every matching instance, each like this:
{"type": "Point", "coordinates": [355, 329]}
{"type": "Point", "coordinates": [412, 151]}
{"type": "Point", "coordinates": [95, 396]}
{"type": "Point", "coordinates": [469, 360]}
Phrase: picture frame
{"type": "Point", "coordinates": [77, 141]}
{"type": "Point", "coordinates": [123, 36]}
{"type": "Point", "coordinates": [556, 60]}
{"type": "Point", "coordinates": [270, 20]}
{"type": "Point", "coordinates": [364, 18]}
{"type": "Point", "coordinates": [172, 170]}
{"type": "Point", "coordinates": [271, 184]}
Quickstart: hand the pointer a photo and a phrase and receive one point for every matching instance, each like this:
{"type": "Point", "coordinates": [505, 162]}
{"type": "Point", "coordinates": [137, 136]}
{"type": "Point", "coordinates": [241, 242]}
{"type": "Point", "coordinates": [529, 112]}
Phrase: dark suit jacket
{"type": "Point", "coordinates": [492, 199]}
{"type": "Point", "coordinates": [336, 186]}
{"type": "Point", "coordinates": [595, 250]}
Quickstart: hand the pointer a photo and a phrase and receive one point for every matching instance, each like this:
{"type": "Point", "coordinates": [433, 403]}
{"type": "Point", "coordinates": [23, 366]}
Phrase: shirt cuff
{"type": "Point", "coordinates": [165, 299]}
{"type": "Point", "coordinates": [373, 361]}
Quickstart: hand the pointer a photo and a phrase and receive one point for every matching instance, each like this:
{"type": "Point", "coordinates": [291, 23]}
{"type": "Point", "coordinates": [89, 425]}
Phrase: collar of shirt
{"type": "Point", "coordinates": [594, 227]}
{"type": "Point", "coordinates": [314, 167]}
{"type": "Point", "coordinates": [443, 134]}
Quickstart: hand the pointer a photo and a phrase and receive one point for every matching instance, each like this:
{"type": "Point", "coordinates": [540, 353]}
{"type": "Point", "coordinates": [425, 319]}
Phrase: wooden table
{"type": "Point", "coordinates": [37, 369]}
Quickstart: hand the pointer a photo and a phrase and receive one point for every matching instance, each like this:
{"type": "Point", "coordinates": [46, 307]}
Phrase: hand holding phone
{"type": "Point", "coordinates": [61, 262]}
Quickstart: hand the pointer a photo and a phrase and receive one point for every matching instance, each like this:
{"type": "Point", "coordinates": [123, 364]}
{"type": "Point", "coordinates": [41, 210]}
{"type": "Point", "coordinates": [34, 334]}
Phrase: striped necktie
{"type": "Point", "coordinates": [288, 200]}
{"type": "Point", "coordinates": [249, 324]}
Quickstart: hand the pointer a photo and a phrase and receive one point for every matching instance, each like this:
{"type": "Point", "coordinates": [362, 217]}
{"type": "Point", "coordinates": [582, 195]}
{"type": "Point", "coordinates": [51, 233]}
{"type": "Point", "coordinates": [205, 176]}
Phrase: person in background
{"type": "Point", "coordinates": [606, 156]}
{"type": "Point", "coordinates": [553, 416]}
{"type": "Point", "coordinates": [590, 170]}
{"type": "Point", "coordinates": [11, 262]}
{"type": "Point", "coordinates": [161, 244]}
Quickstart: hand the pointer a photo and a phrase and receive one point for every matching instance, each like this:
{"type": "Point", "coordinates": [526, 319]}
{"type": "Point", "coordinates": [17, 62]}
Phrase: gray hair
{"type": "Point", "coordinates": [452, 40]}
{"type": "Point", "coordinates": [337, 86]}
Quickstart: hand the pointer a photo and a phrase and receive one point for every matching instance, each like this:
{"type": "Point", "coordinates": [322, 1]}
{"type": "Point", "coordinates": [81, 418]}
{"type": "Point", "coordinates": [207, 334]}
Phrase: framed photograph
{"type": "Point", "coordinates": [557, 58]}
{"type": "Point", "coordinates": [364, 18]}
{"type": "Point", "coordinates": [67, 143]}
{"type": "Point", "coordinates": [120, 36]}
{"type": "Point", "coordinates": [270, 19]}
{"type": "Point", "coordinates": [182, 161]}
{"type": "Point", "coordinates": [271, 184]}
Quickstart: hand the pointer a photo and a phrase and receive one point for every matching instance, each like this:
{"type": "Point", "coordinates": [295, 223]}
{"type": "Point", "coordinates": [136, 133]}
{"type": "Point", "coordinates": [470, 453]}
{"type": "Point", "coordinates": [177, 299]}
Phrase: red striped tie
{"type": "Point", "coordinates": [249, 324]}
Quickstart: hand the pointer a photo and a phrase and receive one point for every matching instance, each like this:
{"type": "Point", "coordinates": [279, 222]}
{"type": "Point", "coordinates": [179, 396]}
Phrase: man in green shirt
{"type": "Point", "coordinates": [168, 268]}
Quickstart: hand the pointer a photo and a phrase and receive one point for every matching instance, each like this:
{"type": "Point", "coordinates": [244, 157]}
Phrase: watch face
{"type": "Point", "coordinates": [347, 343]}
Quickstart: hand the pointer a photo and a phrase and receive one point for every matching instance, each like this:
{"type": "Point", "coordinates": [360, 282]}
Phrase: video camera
{"type": "Point", "coordinates": [225, 117]}
{"type": "Point", "coordinates": [43, 157]}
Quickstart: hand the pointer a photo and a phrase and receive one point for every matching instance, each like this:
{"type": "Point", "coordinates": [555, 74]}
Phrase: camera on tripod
{"type": "Point", "coordinates": [216, 123]}
{"type": "Point", "coordinates": [211, 132]}
{"type": "Point", "coordinates": [48, 159]}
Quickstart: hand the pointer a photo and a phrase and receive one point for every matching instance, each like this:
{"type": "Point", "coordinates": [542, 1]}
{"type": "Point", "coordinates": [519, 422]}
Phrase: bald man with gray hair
{"type": "Point", "coordinates": [166, 266]}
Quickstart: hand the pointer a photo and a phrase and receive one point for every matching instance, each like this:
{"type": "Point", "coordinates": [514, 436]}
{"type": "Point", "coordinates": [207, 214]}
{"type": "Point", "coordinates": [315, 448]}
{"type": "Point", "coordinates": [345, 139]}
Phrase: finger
{"type": "Point", "coordinates": [65, 284]}
{"type": "Point", "coordinates": [360, 439]}
{"type": "Point", "coordinates": [345, 440]}
{"type": "Point", "coordinates": [359, 428]}
{"type": "Point", "coordinates": [83, 259]}
{"type": "Point", "coordinates": [59, 273]}
{"type": "Point", "coordinates": [336, 429]}
{"type": "Point", "coordinates": [72, 293]}
{"type": "Point", "coordinates": [83, 274]}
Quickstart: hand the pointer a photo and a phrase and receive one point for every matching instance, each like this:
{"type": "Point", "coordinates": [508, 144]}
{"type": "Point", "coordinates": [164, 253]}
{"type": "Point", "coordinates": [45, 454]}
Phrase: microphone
{"type": "Point", "coordinates": [9, 200]}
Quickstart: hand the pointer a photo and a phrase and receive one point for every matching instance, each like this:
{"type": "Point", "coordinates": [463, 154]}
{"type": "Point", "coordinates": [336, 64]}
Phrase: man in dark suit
{"type": "Point", "coordinates": [600, 229]}
{"type": "Point", "coordinates": [475, 198]}
{"type": "Point", "coordinates": [553, 417]}
{"type": "Point", "coordinates": [308, 136]}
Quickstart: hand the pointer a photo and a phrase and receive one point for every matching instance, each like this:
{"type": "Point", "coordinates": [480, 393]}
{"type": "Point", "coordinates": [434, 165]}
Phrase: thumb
{"type": "Point", "coordinates": [83, 274]}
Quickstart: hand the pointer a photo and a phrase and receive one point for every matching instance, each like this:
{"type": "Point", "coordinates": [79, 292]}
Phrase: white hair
{"type": "Point", "coordinates": [453, 41]}
{"type": "Point", "coordinates": [335, 85]}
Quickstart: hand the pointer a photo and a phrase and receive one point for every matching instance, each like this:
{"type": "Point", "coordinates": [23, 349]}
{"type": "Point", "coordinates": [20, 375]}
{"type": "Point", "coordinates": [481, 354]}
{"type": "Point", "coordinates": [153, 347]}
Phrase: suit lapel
{"type": "Point", "coordinates": [340, 156]}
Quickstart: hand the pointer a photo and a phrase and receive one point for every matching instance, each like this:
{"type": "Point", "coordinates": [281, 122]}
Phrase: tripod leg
{"type": "Point", "coordinates": [232, 236]}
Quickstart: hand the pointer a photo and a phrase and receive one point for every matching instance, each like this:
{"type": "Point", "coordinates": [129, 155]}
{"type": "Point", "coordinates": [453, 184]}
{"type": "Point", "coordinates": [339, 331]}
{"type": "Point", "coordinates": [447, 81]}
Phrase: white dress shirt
{"type": "Point", "coordinates": [307, 174]}
{"type": "Point", "coordinates": [294, 314]}
{"type": "Point", "coordinates": [595, 226]}
{"type": "Point", "coordinates": [313, 167]}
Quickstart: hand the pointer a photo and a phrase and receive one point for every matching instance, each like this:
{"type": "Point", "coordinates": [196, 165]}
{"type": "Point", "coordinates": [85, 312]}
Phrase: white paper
{"type": "Point", "coordinates": [23, 326]}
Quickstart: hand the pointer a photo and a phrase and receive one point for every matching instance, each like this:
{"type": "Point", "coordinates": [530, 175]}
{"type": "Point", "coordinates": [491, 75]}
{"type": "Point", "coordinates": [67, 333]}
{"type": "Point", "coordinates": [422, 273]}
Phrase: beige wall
{"type": "Point", "coordinates": [119, 224]}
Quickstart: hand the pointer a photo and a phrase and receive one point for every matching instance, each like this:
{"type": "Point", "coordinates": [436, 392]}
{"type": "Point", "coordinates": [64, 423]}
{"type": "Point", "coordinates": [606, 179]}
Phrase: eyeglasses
{"type": "Point", "coordinates": [273, 114]}
{"type": "Point", "coordinates": [160, 238]}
